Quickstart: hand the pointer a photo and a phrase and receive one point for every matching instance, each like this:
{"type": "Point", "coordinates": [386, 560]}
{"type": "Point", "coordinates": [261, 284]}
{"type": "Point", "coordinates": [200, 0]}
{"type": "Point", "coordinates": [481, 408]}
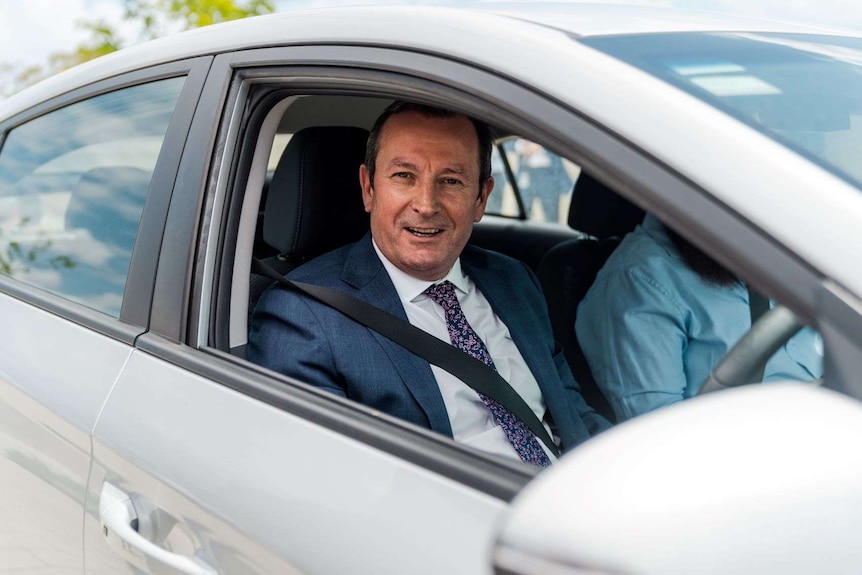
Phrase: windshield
{"type": "Point", "coordinates": [803, 90]}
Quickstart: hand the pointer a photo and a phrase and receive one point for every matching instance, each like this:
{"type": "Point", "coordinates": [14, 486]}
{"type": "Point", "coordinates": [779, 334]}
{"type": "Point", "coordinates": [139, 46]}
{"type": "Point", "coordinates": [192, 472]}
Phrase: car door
{"type": "Point", "coordinates": [222, 466]}
{"type": "Point", "coordinates": [78, 188]}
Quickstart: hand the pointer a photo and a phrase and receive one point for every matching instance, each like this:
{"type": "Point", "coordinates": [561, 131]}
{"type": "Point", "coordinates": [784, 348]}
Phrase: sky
{"type": "Point", "coordinates": [31, 30]}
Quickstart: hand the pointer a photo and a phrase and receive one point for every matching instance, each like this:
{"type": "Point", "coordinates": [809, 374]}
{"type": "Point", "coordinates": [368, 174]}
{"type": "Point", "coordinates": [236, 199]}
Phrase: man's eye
{"type": "Point", "coordinates": [451, 182]}
{"type": "Point", "coordinates": [401, 175]}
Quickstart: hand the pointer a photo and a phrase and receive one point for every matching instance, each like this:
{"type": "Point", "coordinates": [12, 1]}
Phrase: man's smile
{"type": "Point", "coordinates": [424, 232]}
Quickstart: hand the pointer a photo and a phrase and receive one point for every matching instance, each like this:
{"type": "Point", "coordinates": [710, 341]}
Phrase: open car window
{"type": "Point", "coordinates": [578, 274]}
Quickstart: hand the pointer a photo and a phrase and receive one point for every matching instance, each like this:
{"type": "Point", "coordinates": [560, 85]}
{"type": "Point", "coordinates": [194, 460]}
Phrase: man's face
{"type": "Point", "coordinates": [426, 195]}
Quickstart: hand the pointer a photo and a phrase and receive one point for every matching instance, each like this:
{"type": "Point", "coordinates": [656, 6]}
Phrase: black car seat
{"type": "Point", "coordinates": [314, 201]}
{"type": "Point", "coordinates": [568, 269]}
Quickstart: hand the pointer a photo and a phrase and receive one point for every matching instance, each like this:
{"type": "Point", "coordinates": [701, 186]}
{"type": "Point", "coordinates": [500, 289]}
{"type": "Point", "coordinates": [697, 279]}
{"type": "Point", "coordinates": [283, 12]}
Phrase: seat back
{"type": "Point", "coordinates": [567, 270]}
{"type": "Point", "coordinates": [314, 202]}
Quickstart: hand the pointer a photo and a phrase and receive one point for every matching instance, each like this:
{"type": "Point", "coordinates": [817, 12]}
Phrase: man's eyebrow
{"type": "Point", "coordinates": [456, 169]}
{"type": "Point", "coordinates": [399, 163]}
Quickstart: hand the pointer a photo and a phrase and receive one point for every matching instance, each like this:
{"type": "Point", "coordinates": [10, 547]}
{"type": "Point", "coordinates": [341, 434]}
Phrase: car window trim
{"type": "Point", "coordinates": [142, 270]}
{"type": "Point", "coordinates": [633, 171]}
{"type": "Point", "coordinates": [136, 302]}
{"type": "Point", "coordinates": [493, 476]}
{"type": "Point", "coordinates": [70, 310]}
{"type": "Point", "coordinates": [512, 181]}
{"type": "Point", "coordinates": [391, 73]}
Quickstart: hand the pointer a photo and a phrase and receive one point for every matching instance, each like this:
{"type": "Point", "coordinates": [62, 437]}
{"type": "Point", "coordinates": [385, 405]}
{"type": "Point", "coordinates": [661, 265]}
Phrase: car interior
{"type": "Point", "coordinates": [307, 201]}
{"type": "Point", "coordinates": [297, 196]}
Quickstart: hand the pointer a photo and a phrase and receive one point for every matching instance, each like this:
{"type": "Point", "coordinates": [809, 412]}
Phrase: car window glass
{"type": "Point", "coordinates": [802, 90]}
{"type": "Point", "coordinates": [542, 179]}
{"type": "Point", "coordinates": [72, 188]}
{"type": "Point", "coordinates": [657, 297]}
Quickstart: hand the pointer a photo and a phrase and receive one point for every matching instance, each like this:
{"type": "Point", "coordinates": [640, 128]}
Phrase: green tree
{"type": "Point", "coordinates": [103, 40]}
{"type": "Point", "coordinates": [157, 16]}
{"type": "Point", "coordinates": [152, 18]}
{"type": "Point", "coordinates": [14, 78]}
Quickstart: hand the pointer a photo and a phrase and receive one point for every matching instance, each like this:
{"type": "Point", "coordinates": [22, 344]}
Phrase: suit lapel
{"type": "Point", "coordinates": [364, 271]}
{"type": "Point", "coordinates": [522, 324]}
{"type": "Point", "coordinates": [525, 326]}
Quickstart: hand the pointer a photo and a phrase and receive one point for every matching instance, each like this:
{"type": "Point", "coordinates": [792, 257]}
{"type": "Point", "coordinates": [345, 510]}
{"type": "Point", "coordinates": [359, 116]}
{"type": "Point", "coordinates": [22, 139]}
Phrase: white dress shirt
{"type": "Point", "coordinates": [471, 420]}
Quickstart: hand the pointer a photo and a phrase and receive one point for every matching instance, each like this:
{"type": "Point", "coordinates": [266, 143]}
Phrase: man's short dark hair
{"type": "Point", "coordinates": [483, 132]}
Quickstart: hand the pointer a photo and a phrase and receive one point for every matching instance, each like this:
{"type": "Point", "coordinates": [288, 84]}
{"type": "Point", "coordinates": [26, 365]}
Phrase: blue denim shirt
{"type": "Point", "coordinates": [652, 329]}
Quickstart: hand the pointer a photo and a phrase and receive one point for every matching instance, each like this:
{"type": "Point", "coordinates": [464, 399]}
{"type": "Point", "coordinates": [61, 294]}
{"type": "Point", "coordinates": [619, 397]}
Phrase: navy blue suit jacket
{"type": "Point", "coordinates": [295, 335]}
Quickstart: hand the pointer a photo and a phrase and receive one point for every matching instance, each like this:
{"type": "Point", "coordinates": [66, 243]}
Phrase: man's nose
{"type": "Point", "coordinates": [426, 199]}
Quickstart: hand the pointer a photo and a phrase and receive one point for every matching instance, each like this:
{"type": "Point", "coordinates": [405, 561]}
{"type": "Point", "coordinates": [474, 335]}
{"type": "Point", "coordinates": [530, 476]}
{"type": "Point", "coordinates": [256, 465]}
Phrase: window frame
{"type": "Point", "coordinates": [511, 177]}
{"type": "Point", "coordinates": [137, 295]}
{"type": "Point", "coordinates": [185, 274]}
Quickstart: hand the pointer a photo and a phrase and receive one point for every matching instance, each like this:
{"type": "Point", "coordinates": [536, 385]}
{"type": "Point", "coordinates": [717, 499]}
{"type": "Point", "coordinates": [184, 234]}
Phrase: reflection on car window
{"type": "Point", "coordinates": [541, 178]}
{"type": "Point", "coordinates": [72, 188]}
{"type": "Point", "coordinates": [802, 90]}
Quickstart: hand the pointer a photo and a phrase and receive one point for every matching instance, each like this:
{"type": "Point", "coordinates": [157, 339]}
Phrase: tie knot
{"type": "Point", "coordinates": [444, 294]}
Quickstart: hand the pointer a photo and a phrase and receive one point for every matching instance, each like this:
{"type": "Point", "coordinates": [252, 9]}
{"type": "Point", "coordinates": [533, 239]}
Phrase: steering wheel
{"type": "Point", "coordinates": [745, 361]}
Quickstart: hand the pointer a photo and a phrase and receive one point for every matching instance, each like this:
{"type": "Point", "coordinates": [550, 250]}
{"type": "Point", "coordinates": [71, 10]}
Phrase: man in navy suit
{"type": "Point", "coordinates": [425, 181]}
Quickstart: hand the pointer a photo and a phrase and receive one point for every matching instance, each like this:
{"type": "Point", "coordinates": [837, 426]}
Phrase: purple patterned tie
{"type": "Point", "coordinates": [464, 338]}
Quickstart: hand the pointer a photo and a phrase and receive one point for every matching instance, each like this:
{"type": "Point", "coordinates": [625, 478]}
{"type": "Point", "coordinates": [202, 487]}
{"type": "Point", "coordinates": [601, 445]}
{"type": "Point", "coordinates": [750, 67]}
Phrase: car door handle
{"type": "Point", "coordinates": [119, 518]}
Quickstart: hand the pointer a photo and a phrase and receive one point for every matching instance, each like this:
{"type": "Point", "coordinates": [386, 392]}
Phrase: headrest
{"type": "Point", "coordinates": [598, 211]}
{"type": "Point", "coordinates": [314, 203]}
{"type": "Point", "coordinates": [108, 201]}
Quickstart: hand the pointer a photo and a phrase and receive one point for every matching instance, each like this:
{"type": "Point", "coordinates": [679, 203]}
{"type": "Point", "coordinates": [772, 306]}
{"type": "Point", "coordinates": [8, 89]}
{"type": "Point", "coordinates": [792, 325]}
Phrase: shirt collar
{"type": "Point", "coordinates": [412, 289]}
{"type": "Point", "coordinates": [658, 232]}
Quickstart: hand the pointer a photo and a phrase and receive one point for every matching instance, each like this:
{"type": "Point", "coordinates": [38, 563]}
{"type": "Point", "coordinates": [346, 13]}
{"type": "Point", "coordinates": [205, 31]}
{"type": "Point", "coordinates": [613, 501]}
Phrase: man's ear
{"type": "Point", "coordinates": [482, 200]}
{"type": "Point", "coordinates": [367, 189]}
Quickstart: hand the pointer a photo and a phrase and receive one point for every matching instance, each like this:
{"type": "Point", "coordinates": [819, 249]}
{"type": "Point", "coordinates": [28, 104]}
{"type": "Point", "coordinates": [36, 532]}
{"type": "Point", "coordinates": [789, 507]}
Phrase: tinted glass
{"type": "Point", "coordinates": [540, 177]}
{"type": "Point", "coordinates": [803, 90]}
{"type": "Point", "coordinates": [72, 188]}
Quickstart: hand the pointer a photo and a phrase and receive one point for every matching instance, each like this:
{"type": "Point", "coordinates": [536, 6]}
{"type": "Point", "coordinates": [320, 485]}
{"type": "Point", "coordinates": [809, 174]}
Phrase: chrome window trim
{"type": "Point", "coordinates": [213, 234]}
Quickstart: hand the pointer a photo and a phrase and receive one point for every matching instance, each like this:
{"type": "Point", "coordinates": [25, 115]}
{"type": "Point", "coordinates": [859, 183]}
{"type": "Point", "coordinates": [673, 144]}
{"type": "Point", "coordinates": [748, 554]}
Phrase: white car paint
{"type": "Point", "coordinates": [163, 434]}
{"type": "Point", "coordinates": [659, 119]}
{"type": "Point", "coordinates": [380, 512]}
{"type": "Point", "coordinates": [54, 379]}
{"type": "Point", "coordinates": [761, 479]}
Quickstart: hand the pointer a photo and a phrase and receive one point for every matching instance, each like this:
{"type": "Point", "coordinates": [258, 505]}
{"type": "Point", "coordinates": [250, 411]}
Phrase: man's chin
{"type": "Point", "coordinates": [427, 269]}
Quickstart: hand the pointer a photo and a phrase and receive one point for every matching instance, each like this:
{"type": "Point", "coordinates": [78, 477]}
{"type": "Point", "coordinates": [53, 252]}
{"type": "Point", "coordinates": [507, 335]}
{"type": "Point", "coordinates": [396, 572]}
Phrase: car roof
{"type": "Point", "coordinates": [586, 19]}
{"type": "Point", "coordinates": [417, 28]}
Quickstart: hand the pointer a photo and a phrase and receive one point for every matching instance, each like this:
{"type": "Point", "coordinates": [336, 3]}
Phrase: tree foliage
{"type": "Point", "coordinates": [103, 40]}
{"type": "Point", "coordinates": [157, 16]}
{"type": "Point", "coordinates": [151, 19]}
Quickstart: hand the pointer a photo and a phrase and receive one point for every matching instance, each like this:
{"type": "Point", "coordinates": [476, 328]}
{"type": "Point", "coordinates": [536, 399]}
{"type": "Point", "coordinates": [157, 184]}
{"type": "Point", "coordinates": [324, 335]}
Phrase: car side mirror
{"type": "Point", "coordinates": [757, 479]}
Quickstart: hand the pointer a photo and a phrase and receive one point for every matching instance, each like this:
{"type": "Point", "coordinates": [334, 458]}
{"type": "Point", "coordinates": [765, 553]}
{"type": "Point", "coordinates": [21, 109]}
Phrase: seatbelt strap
{"type": "Point", "coordinates": [465, 367]}
{"type": "Point", "coordinates": [758, 305]}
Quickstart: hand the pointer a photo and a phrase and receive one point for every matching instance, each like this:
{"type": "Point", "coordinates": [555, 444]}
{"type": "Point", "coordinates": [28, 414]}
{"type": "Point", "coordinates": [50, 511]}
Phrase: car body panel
{"type": "Point", "coordinates": [241, 471]}
{"type": "Point", "coordinates": [54, 378]}
{"type": "Point", "coordinates": [727, 158]}
{"type": "Point", "coordinates": [785, 456]}
{"type": "Point", "coordinates": [294, 498]}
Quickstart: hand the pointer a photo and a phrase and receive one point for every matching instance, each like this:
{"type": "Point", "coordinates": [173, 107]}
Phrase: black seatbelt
{"type": "Point", "coordinates": [758, 304]}
{"type": "Point", "coordinates": [465, 367]}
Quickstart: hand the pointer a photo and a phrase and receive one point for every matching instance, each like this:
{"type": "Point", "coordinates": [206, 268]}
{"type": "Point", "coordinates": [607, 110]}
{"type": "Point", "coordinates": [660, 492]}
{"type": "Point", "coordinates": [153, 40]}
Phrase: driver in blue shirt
{"type": "Point", "coordinates": [659, 317]}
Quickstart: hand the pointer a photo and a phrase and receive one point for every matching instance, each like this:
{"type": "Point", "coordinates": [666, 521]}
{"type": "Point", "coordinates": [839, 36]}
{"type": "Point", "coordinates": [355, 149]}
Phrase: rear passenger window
{"type": "Point", "coordinates": [542, 179]}
{"type": "Point", "coordinates": [72, 188]}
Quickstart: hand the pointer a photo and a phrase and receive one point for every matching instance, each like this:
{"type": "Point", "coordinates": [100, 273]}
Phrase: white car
{"type": "Point", "coordinates": [136, 190]}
